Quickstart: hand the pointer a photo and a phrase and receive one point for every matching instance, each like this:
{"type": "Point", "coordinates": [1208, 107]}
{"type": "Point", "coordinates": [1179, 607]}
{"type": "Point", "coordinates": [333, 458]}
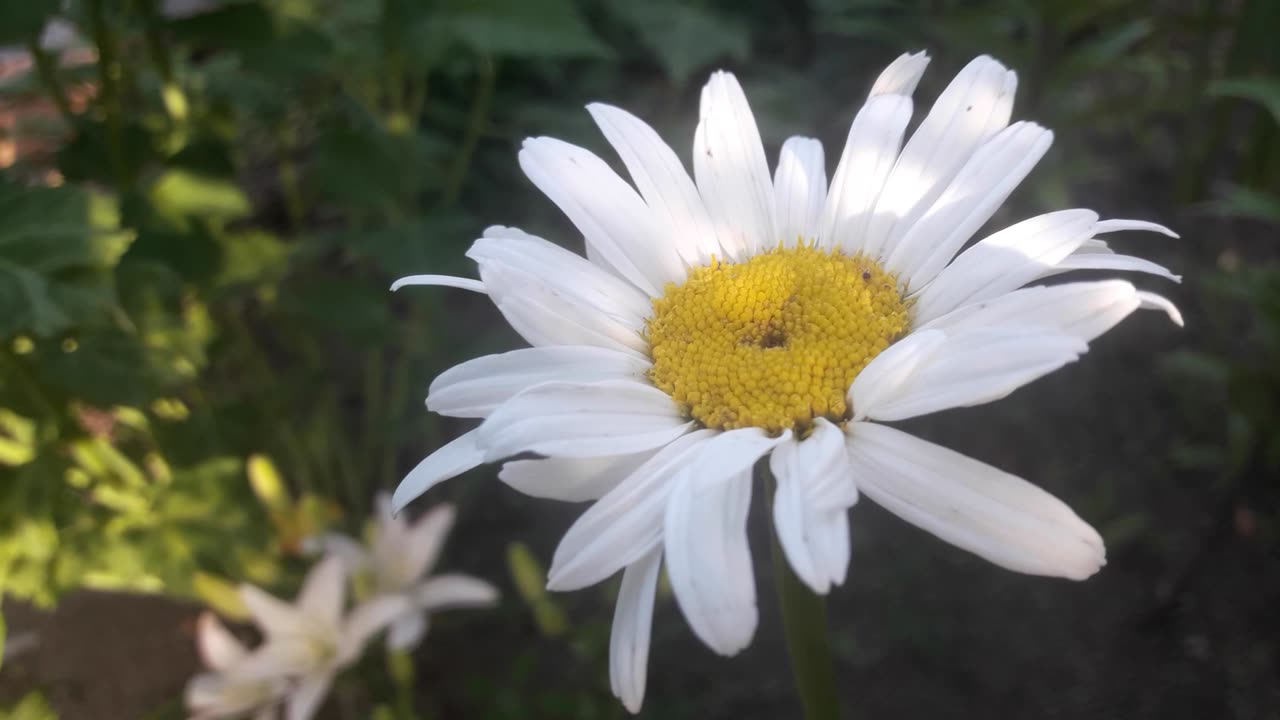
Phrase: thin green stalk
{"type": "Point", "coordinates": [290, 183]}
{"type": "Point", "coordinates": [486, 77]}
{"type": "Point", "coordinates": [804, 620]}
{"type": "Point", "coordinates": [48, 72]}
{"type": "Point", "coordinates": [109, 93]}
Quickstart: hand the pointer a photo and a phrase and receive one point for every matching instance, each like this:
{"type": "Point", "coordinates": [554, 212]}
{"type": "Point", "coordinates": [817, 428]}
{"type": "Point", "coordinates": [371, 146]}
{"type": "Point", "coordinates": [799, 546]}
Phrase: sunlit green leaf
{"type": "Point", "coordinates": [180, 194]}
{"type": "Point", "coordinates": [530, 579]}
{"type": "Point", "coordinates": [219, 594]}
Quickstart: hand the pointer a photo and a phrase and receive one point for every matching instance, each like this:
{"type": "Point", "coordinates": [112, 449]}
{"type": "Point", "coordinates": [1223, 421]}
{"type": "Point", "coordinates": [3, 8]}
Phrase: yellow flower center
{"type": "Point", "coordinates": [775, 341]}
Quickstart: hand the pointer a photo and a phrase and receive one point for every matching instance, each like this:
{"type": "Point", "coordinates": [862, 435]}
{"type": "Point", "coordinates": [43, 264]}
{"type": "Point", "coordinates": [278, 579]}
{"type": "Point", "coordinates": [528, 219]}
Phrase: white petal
{"type": "Point", "coordinates": [972, 197]}
{"type": "Point", "coordinates": [624, 524]}
{"type": "Point", "coordinates": [1004, 261]}
{"type": "Point", "coordinates": [324, 591]}
{"type": "Point", "coordinates": [814, 489]}
{"type": "Point", "coordinates": [366, 620]}
{"type": "Point", "coordinates": [441, 280]}
{"type": "Point", "coordinates": [1085, 310]}
{"type": "Point", "coordinates": [662, 181]}
{"type": "Point", "coordinates": [975, 106]}
{"type": "Point", "coordinates": [306, 698]}
{"type": "Point", "coordinates": [452, 460]}
{"type": "Point", "coordinates": [407, 631]}
{"type": "Point", "coordinates": [475, 387]}
{"type": "Point", "coordinates": [790, 519]}
{"type": "Point", "coordinates": [731, 170]}
{"type": "Point", "coordinates": [447, 592]}
{"type": "Point", "coordinates": [554, 297]}
{"type": "Point", "coordinates": [969, 367]}
{"type": "Point", "coordinates": [821, 464]}
{"type": "Point", "coordinates": [285, 656]}
{"type": "Point", "coordinates": [425, 539]}
{"type": "Point", "coordinates": [883, 378]}
{"type": "Point", "coordinates": [563, 271]}
{"type": "Point", "coordinates": [829, 543]}
{"type": "Point", "coordinates": [1110, 226]}
{"type": "Point", "coordinates": [972, 505]}
{"type": "Point", "coordinates": [800, 189]}
{"type": "Point", "coordinates": [273, 616]}
{"type": "Point", "coordinates": [709, 560]}
{"type": "Point", "coordinates": [632, 624]}
{"type": "Point", "coordinates": [613, 417]}
{"type": "Point", "coordinates": [218, 647]}
{"type": "Point", "coordinates": [1101, 261]}
{"type": "Point", "coordinates": [221, 695]}
{"type": "Point", "coordinates": [351, 552]}
{"type": "Point", "coordinates": [902, 75]}
{"type": "Point", "coordinates": [869, 154]}
{"type": "Point", "coordinates": [610, 215]}
{"type": "Point", "coordinates": [1151, 301]}
{"type": "Point", "coordinates": [570, 479]}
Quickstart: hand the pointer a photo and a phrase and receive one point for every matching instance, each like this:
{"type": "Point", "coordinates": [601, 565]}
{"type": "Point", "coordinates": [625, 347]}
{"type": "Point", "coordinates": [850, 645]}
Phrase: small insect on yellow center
{"type": "Point", "coordinates": [772, 342]}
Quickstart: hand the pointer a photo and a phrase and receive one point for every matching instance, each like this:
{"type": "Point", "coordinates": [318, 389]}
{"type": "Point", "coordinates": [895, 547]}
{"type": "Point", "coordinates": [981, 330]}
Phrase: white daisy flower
{"type": "Point", "coordinates": [224, 692]}
{"type": "Point", "coordinates": [308, 642]}
{"type": "Point", "coordinates": [737, 315]}
{"type": "Point", "coordinates": [397, 560]}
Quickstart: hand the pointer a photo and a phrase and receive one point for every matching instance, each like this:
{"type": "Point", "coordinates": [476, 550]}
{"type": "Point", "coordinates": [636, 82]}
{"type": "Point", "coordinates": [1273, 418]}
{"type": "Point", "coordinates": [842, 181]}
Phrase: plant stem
{"type": "Point", "coordinates": [109, 72]}
{"type": "Point", "coordinates": [804, 621]}
{"type": "Point", "coordinates": [486, 76]}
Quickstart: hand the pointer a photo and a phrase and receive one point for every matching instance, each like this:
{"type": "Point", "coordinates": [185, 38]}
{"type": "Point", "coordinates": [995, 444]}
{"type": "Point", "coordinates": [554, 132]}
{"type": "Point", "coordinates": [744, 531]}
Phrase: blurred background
{"type": "Point", "coordinates": [203, 203]}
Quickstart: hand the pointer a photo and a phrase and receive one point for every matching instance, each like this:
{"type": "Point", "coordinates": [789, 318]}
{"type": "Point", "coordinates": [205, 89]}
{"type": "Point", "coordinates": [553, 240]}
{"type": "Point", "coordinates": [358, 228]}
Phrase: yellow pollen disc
{"type": "Point", "coordinates": [772, 342]}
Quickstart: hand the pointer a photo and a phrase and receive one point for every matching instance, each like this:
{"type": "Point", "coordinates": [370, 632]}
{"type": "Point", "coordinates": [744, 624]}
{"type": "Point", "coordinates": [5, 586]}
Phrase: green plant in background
{"type": "Point", "coordinates": [32, 706]}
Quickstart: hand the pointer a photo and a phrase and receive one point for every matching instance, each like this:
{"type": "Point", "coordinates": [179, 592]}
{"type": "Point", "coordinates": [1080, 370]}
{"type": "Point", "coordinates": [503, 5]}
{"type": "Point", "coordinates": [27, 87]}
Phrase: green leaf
{"type": "Point", "coordinates": [181, 194]}
{"type": "Point", "coordinates": [267, 484]}
{"type": "Point", "coordinates": [55, 247]}
{"type": "Point", "coordinates": [522, 28]}
{"type": "Point", "coordinates": [364, 168]}
{"type": "Point", "coordinates": [219, 594]}
{"type": "Point", "coordinates": [17, 438]}
{"type": "Point", "coordinates": [1264, 91]}
{"type": "Point", "coordinates": [1248, 203]}
{"type": "Point", "coordinates": [528, 575]}
{"type": "Point", "coordinates": [685, 38]}
{"type": "Point", "coordinates": [102, 368]}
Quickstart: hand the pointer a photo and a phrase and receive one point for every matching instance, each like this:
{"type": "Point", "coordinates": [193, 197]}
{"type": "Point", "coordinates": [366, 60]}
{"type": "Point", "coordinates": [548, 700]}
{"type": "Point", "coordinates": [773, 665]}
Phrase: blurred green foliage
{"type": "Point", "coordinates": [200, 364]}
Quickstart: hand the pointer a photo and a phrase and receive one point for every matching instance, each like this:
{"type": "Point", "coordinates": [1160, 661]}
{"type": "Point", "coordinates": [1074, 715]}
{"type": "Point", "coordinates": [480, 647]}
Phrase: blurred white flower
{"type": "Point", "coordinates": [310, 641]}
{"type": "Point", "coordinates": [397, 561]}
{"type": "Point", "coordinates": [225, 692]}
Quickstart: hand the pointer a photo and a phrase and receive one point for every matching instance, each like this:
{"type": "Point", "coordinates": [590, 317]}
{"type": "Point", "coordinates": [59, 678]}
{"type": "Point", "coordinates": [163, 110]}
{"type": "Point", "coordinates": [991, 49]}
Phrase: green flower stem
{"type": "Point", "coordinates": [486, 78]}
{"type": "Point", "coordinates": [804, 620]}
